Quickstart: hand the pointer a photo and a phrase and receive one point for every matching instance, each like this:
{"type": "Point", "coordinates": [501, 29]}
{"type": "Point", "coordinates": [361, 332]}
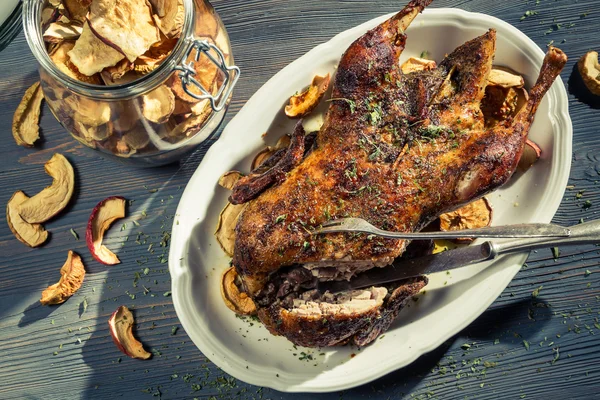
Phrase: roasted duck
{"type": "Point", "coordinates": [397, 150]}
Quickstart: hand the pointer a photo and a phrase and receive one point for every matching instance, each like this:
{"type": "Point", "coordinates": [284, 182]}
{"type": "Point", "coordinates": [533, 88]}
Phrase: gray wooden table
{"type": "Point", "coordinates": [522, 347]}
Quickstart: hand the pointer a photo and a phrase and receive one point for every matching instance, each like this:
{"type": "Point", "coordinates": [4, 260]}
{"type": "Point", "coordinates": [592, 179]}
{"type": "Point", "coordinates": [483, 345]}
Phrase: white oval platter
{"type": "Point", "coordinates": [245, 349]}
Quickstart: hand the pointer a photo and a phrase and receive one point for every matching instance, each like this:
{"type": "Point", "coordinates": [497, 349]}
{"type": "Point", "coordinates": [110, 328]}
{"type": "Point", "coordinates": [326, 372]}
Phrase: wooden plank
{"type": "Point", "coordinates": [266, 36]}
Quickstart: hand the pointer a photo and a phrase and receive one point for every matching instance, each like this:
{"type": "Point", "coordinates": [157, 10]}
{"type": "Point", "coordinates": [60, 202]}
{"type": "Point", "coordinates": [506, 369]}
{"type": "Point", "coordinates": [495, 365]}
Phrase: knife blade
{"type": "Point", "coordinates": [403, 269]}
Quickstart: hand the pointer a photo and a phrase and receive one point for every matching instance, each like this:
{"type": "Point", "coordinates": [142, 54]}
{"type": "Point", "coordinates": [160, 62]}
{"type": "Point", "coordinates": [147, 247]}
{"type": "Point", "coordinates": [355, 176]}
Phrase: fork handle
{"type": "Point", "coordinates": [586, 233]}
{"type": "Point", "coordinates": [506, 231]}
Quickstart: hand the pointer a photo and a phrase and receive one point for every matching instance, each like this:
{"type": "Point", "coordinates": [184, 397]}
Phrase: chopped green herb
{"type": "Point", "coordinates": [536, 292]}
{"type": "Point", "coordinates": [146, 271]}
{"type": "Point", "coordinates": [167, 294]}
{"type": "Point", "coordinates": [425, 54]}
{"type": "Point", "coordinates": [587, 204]}
{"type": "Point", "coordinates": [528, 13]}
{"type": "Point", "coordinates": [75, 235]}
{"type": "Point", "coordinates": [465, 346]}
{"type": "Point", "coordinates": [174, 330]}
{"type": "Point", "coordinates": [84, 304]}
{"type": "Point", "coordinates": [280, 218]}
{"type": "Point", "coordinates": [555, 252]}
{"type": "Point", "coordinates": [496, 341]}
{"type": "Point", "coordinates": [556, 356]}
{"type": "Point", "coordinates": [526, 344]}
{"type": "Point", "coordinates": [588, 272]}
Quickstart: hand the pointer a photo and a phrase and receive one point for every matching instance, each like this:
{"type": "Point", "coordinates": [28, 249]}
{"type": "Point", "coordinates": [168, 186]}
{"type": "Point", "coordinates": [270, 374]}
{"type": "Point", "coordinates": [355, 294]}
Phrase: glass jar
{"type": "Point", "coordinates": [154, 119]}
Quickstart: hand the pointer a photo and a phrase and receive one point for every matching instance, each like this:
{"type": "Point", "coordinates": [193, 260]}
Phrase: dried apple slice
{"type": "Point", "coordinates": [477, 214]}
{"type": "Point", "coordinates": [91, 133]}
{"type": "Point", "coordinates": [125, 25]}
{"type": "Point", "coordinates": [104, 214]}
{"type": "Point", "coordinates": [76, 10]}
{"type": "Point", "coordinates": [25, 125]}
{"type": "Point", "coordinates": [113, 75]}
{"type": "Point", "coordinates": [303, 103]}
{"type": "Point", "coordinates": [206, 74]}
{"type": "Point", "coordinates": [33, 235]}
{"type": "Point", "coordinates": [59, 31]}
{"type": "Point", "coordinates": [225, 232]}
{"type": "Point", "coordinates": [237, 301]}
{"type": "Point", "coordinates": [120, 326]}
{"type": "Point", "coordinates": [158, 105]}
{"type": "Point", "coordinates": [71, 278]}
{"type": "Point", "coordinates": [505, 78]}
{"type": "Point", "coordinates": [90, 55]}
{"type": "Point", "coordinates": [229, 178]}
{"type": "Point", "coordinates": [589, 68]}
{"type": "Point", "coordinates": [261, 157]}
{"type": "Point", "coordinates": [60, 57]}
{"type": "Point", "coordinates": [53, 199]}
{"type": "Point", "coordinates": [415, 64]}
{"type": "Point", "coordinates": [531, 153]}
{"type": "Point", "coordinates": [89, 112]}
{"type": "Point", "coordinates": [170, 22]}
{"type": "Point", "coordinates": [136, 139]}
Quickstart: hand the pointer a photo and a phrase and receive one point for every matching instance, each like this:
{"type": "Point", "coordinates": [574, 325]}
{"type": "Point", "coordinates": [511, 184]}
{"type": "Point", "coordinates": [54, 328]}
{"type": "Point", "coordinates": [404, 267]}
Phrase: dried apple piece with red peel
{"type": "Point", "coordinates": [477, 214]}
{"type": "Point", "coordinates": [91, 55]}
{"type": "Point", "coordinates": [237, 301]}
{"type": "Point", "coordinates": [33, 235]}
{"type": "Point", "coordinates": [531, 153]}
{"type": "Point", "coordinates": [120, 326]}
{"type": "Point", "coordinates": [25, 124]}
{"type": "Point", "coordinates": [206, 74]}
{"type": "Point", "coordinates": [53, 199]}
{"type": "Point", "coordinates": [415, 64]}
{"type": "Point", "coordinates": [71, 278]}
{"type": "Point", "coordinates": [104, 214]}
{"type": "Point", "coordinates": [303, 103]}
{"type": "Point", "coordinates": [125, 25]}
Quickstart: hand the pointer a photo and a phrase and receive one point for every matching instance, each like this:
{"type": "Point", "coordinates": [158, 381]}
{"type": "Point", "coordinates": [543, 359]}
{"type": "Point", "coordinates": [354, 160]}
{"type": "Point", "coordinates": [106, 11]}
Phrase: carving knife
{"type": "Point", "coordinates": [585, 233]}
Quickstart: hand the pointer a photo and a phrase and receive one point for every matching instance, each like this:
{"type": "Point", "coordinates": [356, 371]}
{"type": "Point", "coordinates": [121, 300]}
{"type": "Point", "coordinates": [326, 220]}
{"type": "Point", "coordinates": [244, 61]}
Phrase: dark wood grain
{"type": "Point", "coordinates": [42, 356]}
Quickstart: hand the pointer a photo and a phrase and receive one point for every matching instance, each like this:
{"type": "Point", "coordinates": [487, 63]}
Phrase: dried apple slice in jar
{"type": "Point", "coordinates": [477, 214]}
{"type": "Point", "coordinates": [114, 75]}
{"type": "Point", "coordinates": [76, 10]}
{"type": "Point", "coordinates": [72, 274]}
{"type": "Point", "coordinates": [158, 105]}
{"type": "Point", "coordinates": [53, 199]}
{"type": "Point", "coordinates": [170, 22]}
{"type": "Point", "coordinates": [25, 124]}
{"type": "Point", "coordinates": [103, 215]}
{"type": "Point", "coordinates": [125, 25]}
{"type": "Point", "coordinates": [59, 31]}
{"type": "Point", "coordinates": [60, 56]}
{"type": "Point", "coordinates": [91, 55]}
{"type": "Point", "coordinates": [33, 235]}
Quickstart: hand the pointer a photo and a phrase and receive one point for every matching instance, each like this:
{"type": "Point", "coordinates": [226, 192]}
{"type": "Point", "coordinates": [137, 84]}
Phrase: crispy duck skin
{"type": "Point", "coordinates": [396, 150]}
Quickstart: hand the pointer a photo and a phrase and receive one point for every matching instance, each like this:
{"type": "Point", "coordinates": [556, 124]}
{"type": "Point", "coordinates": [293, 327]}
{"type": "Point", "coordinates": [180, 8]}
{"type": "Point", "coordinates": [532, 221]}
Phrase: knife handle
{"type": "Point", "coordinates": [586, 233]}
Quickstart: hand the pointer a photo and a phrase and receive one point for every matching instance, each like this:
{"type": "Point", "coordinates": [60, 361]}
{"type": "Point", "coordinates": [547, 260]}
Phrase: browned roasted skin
{"type": "Point", "coordinates": [396, 150]}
